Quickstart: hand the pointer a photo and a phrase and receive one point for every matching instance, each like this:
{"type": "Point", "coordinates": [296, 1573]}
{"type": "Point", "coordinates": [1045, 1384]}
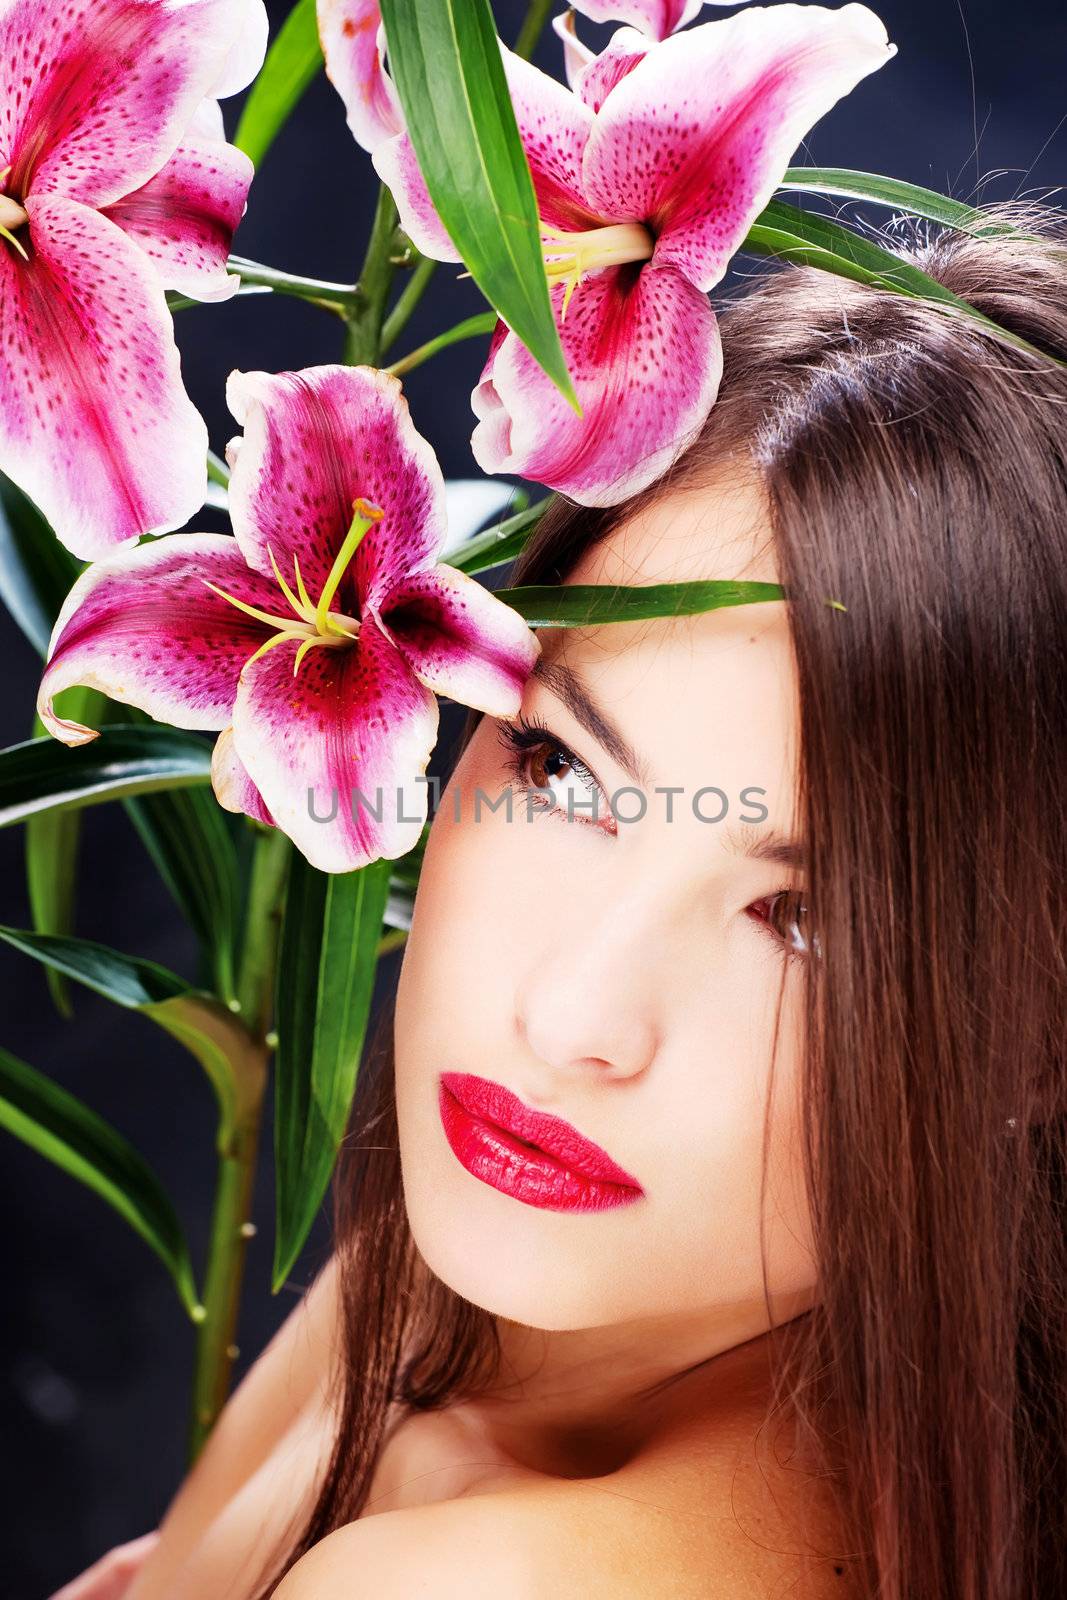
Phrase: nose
{"type": "Point", "coordinates": [587, 1004]}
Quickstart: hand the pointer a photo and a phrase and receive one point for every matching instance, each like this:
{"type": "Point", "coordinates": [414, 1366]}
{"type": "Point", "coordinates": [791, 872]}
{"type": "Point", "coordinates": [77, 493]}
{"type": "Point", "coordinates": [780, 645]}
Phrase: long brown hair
{"type": "Point", "coordinates": [915, 471]}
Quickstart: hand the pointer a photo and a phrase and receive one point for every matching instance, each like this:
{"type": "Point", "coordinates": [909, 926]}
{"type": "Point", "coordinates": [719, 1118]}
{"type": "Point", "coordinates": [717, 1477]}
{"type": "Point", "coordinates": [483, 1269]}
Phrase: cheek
{"type": "Point", "coordinates": [705, 1245]}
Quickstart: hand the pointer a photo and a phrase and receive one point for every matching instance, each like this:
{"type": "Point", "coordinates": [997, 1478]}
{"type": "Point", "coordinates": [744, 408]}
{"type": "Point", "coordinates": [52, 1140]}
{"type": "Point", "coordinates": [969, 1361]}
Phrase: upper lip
{"type": "Point", "coordinates": [493, 1103]}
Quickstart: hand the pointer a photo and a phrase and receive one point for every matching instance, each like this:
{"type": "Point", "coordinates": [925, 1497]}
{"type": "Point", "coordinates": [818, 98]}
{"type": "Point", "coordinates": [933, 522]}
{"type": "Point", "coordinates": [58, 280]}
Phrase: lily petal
{"type": "Point", "coordinates": [656, 18]}
{"type": "Point", "coordinates": [643, 350]}
{"type": "Point", "coordinates": [460, 640]}
{"type": "Point", "coordinates": [248, 51]}
{"type": "Point", "coordinates": [95, 425]}
{"type": "Point", "coordinates": [395, 163]}
{"type": "Point", "coordinates": [234, 789]}
{"type": "Point", "coordinates": [145, 629]}
{"type": "Point", "coordinates": [352, 719]}
{"type": "Point", "coordinates": [184, 218]}
{"type": "Point", "coordinates": [96, 94]}
{"type": "Point", "coordinates": [314, 442]}
{"type": "Point", "coordinates": [697, 138]}
{"type": "Point", "coordinates": [576, 55]}
{"type": "Point", "coordinates": [353, 44]}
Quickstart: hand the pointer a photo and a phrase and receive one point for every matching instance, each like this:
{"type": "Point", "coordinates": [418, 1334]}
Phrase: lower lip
{"type": "Point", "coordinates": [523, 1171]}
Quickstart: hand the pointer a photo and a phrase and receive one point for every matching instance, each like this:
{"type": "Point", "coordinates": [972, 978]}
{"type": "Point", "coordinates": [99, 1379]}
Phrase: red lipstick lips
{"type": "Point", "coordinates": [536, 1158]}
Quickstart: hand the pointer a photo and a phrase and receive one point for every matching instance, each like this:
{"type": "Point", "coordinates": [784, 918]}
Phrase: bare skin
{"type": "Point", "coordinates": [626, 1433]}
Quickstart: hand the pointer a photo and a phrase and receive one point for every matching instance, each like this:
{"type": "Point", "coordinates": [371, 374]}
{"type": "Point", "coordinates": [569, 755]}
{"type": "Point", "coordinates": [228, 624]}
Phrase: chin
{"type": "Point", "coordinates": [507, 1270]}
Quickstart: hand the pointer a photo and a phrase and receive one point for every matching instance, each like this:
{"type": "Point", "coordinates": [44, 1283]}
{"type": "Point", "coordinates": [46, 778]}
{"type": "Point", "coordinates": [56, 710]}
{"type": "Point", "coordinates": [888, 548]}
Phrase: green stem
{"type": "Point", "coordinates": [481, 324]}
{"type": "Point", "coordinates": [217, 470]}
{"type": "Point", "coordinates": [407, 301]}
{"type": "Point", "coordinates": [536, 17]}
{"type": "Point", "coordinates": [231, 1230]}
{"type": "Point", "coordinates": [363, 323]}
{"type": "Point", "coordinates": [342, 298]}
{"type": "Point", "coordinates": [255, 979]}
{"type": "Point", "coordinates": [231, 1226]}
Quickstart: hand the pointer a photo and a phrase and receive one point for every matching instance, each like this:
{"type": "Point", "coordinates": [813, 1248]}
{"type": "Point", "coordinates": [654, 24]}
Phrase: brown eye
{"type": "Point", "coordinates": [545, 762]}
{"type": "Point", "coordinates": [786, 917]}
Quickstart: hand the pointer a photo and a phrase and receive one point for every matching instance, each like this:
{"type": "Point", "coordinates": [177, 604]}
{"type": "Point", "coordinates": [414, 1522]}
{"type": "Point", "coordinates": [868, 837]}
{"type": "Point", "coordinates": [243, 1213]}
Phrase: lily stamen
{"type": "Point", "coordinates": [315, 624]}
{"type": "Point", "coordinates": [588, 250]}
{"type": "Point", "coordinates": [12, 216]}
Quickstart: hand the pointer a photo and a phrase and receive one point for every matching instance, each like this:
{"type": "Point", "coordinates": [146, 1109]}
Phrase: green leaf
{"type": "Point", "coordinates": [59, 1127]}
{"type": "Point", "coordinates": [185, 833]}
{"type": "Point", "coordinates": [910, 197]}
{"type": "Point", "coordinates": [52, 839]}
{"type": "Point", "coordinates": [36, 571]}
{"type": "Point", "coordinates": [571, 605]}
{"type": "Point", "coordinates": [44, 775]}
{"type": "Point", "coordinates": [326, 969]}
{"type": "Point", "coordinates": [127, 980]}
{"type": "Point", "coordinates": [207, 1029]}
{"type": "Point", "coordinates": [499, 544]}
{"type": "Point", "coordinates": [444, 57]}
{"type": "Point", "coordinates": [785, 232]}
{"type": "Point", "coordinates": [291, 63]}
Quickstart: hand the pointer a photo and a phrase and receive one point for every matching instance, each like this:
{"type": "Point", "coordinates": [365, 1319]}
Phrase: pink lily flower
{"type": "Point", "coordinates": [353, 45]}
{"type": "Point", "coordinates": [648, 175]}
{"type": "Point", "coordinates": [315, 640]}
{"type": "Point", "coordinates": [115, 184]}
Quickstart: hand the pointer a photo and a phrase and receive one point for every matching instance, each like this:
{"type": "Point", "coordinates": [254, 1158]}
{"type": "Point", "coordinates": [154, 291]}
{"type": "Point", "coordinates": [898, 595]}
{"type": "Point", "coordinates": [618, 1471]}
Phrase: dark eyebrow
{"type": "Point", "coordinates": [567, 686]}
{"type": "Point", "coordinates": [746, 839]}
{"type": "Point", "coordinates": [758, 844]}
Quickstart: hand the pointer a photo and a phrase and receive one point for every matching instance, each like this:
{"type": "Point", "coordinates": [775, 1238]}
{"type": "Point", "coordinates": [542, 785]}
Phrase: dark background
{"type": "Point", "coordinates": [95, 1351]}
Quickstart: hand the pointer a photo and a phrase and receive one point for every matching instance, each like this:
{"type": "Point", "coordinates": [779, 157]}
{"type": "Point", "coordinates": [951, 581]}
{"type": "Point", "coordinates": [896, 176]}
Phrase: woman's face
{"type": "Point", "coordinates": [622, 975]}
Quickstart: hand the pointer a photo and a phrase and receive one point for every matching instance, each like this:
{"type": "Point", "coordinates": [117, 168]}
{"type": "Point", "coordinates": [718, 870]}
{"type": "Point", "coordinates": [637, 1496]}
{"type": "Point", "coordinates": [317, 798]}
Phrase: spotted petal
{"type": "Point", "coordinates": [95, 95]}
{"type": "Point", "coordinates": [353, 44]}
{"type": "Point", "coordinates": [595, 81]}
{"type": "Point", "coordinates": [314, 442]}
{"type": "Point", "coordinates": [642, 347]}
{"type": "Point", "coordinates": [699, 135]}
{"type": "Point", "coordinates": [184, 218]}
{"type": "Point", "coordinates": [352, 722]}
{"type": "Point", "coordinates": [656, 18]}
{"type": "Point", "coordinates": [95, 425]}
{"type": "Point", "coordinates": [460, 640]}
{"type": "Point", "coordinates": [145, 629]}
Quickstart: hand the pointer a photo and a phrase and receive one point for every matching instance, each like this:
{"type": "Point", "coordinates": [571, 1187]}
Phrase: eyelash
{"type": "Point", "coordinates": [520, 739]}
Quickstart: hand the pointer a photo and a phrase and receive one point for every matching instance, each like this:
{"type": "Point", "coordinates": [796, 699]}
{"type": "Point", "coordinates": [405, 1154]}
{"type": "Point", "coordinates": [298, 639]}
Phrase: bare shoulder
{"type": "Point", "coordinates": [523, 1542]}
{"type": "Point", "coordinates": [625, 1535]}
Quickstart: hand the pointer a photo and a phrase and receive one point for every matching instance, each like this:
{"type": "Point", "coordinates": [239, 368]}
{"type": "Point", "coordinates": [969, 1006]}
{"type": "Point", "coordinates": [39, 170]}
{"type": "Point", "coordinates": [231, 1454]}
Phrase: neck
{"type": "Point", "coordinates": [583, 1402]}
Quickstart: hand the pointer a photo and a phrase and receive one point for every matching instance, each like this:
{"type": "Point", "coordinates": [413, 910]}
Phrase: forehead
{"type": "Point", "coordinates": [714, 690]}
{"type": "Point", "coordinates": [720, 531]}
